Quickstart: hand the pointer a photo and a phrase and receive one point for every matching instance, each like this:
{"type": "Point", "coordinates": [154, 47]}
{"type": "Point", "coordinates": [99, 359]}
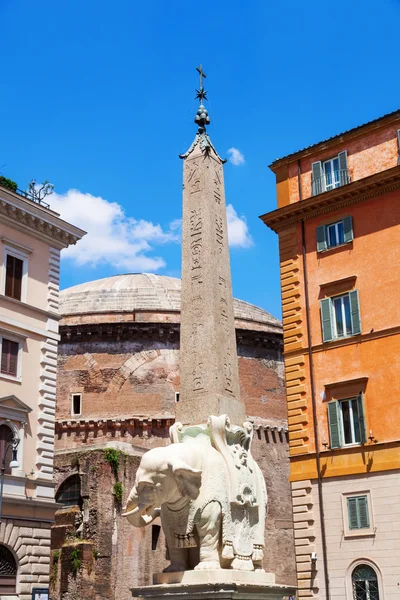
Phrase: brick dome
{"type": "Point", "coordinates": [146, 293]}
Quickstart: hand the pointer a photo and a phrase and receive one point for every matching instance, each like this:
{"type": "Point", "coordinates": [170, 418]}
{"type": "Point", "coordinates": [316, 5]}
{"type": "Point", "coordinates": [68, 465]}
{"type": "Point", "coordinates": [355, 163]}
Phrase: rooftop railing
{"type": "Point", "coordinates": [27, 195]}
{"type": "Point", "coordinates": [330, 181]}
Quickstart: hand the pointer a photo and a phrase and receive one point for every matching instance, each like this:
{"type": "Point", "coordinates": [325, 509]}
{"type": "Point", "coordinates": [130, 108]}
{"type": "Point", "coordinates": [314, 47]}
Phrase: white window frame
{"type": "Point", "coordinates": [18, 428]}
{"type": "Point", "coordinates": [336, 183]}
{"type": "Point", "coordinates": [366, 531]}
{"type": "Point", "coordinates": [74, 414]}
{"type": "Point", "coordinates": [334, 326]}
{"type": "Point", "coordinates": [336, 226]}
{"type": "Point", "coordinates": [16, 252]}
{"type": "Point", "coordinates": [351, 400]}
{"type": "Point", "coordinates": [12, 338]}
{"type": "Point", "coordinates": [177, 397]}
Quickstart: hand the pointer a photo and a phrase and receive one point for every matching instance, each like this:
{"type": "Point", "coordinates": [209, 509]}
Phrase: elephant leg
{"type": "Point", "coordinates": [178, 558]}
{"type": "Point", "coordinates": [209, 530]}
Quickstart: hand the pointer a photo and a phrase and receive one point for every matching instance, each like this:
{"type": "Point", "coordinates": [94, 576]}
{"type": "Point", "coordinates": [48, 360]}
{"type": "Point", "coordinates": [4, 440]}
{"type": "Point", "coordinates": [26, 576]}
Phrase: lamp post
{"type": "Point", "coordinates": [12, 443]}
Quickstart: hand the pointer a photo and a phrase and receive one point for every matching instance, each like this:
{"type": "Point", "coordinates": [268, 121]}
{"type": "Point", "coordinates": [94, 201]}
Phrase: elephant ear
{"type": "Point", "coordinates": [187, 479]}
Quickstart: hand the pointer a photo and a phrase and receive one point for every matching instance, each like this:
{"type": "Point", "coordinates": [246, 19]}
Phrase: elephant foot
{"type": "Point", "coordinates": [175, 568]}
{"type": "Point", "coordinates": [208, 565]}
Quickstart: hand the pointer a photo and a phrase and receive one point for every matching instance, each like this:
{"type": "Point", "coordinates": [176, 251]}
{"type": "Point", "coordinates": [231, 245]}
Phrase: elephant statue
{"type": "Point", "coordinates": [210, 494]}
{"type": "Point", "coordinates": [188, 482]}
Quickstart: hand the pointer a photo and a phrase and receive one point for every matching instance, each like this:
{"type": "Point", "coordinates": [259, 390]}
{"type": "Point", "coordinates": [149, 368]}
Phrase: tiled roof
{"type": "Point", "coordinates": [338, 135]}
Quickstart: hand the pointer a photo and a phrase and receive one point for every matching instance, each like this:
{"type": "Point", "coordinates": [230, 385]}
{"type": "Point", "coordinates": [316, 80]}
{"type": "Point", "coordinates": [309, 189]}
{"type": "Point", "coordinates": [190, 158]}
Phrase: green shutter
{"type": "Point", "coordinates": [321, 238]}
{"type": "Point", "coordinates": [363, 516]}
{"type": "Point", "coordinates": [326, 320]}
{"type": "Point", "coordinates": [355, 312]}
{"type": "Point", "coordinates": [318, 181]}
{"type": "Point", "coordinates": [348, 229]}
{"type": "Point", "coordinates": [344, 173]}
{"type": "Point", "coordinates": [358, 512]}
{"type": "Point", "coordinates": [352, 506]}
{"type": "Point", "coordinates": [361, 418]}
{"type": "Point", "coordinates": [334, 424]}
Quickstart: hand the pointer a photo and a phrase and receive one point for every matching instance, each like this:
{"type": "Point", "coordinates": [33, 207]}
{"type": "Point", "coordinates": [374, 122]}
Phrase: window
{"type": "Point", "coordinates": [14, 272]}
{"type": "Point", "coordinates": [76, 404]}
{"type": "Point", "coordinates": [357, 507]}
{"type": "Point", "coordinates": [346, 422]}
{"type": "Point", "coordinates": [330, 174]}
{"type": "Point", "coordinates": [340, 316]}
{"type": "Point", "coordinates": [6, 435]}
{"type": "Point", "coordinates": [8, 573]}
{"type": "Point", "coordinates": [176, 397]}
{"type": "Point", "coordinates": [365, 583]}
{"type": "Point", "coordinates": [9, 357]}
{"type": "Point", "coordinates": [69, 493]}
{"type": "Point", "coordinates": [335, 234]}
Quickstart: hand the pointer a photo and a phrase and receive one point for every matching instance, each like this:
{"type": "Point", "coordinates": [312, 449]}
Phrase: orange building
{"type": "Point", "coordinates": [338, 221]}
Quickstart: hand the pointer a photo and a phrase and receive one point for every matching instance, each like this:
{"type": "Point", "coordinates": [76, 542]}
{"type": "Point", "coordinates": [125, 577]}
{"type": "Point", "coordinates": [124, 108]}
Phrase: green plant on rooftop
{"type": "Point", "coordinates": [9, 184]}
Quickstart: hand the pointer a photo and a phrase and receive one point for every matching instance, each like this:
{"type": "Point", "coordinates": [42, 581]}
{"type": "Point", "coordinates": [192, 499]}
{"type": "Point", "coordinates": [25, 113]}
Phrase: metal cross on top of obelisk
{"type": "Point", "coordinates": [208, 356]}
{"type": "Point", "coordinates": [201, 92]}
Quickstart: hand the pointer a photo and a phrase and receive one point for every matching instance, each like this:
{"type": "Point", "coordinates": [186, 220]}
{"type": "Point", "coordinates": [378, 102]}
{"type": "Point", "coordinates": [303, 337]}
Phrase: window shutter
{"type": "Point", "coordinates": [18, 264]}
{"type": "Point", "coordinates": [355, 312]}
{"type": "Point", "coordinates": [344, 177]}
{"type": "Point", "coordinates": [361, 418]}
{"type": "Point", "coordinates": [363, 516]}
{"type": "Point", "coordinates": [348, 229]}
{"type": "Point", "coordinates": [9, 276]}
{"type": "Point", "coordinates": [321, 238]}
{"type": "Point", "coordinates": [4, 356]}
{"type": "Point", "coordinates": [326, 320]}
{"type": "Point", "coordinates": [318, 183]}
{"type": "Point", "coordinates": [352, 506]}
{"type": "Point", "coordinates": [334, 424]}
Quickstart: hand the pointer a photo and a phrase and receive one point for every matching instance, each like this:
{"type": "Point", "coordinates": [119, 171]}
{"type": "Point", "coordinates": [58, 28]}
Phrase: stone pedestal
{"type": "Point", "coordinates": [219, 584]}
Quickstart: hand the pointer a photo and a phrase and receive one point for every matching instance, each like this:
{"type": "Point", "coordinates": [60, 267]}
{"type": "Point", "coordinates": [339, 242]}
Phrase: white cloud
{"type": "Point", "coordinates": [112, 237]}
{"type": "Point", "coordinates": [238, 231]}
{"type": "Point", "coordinates": [236, 157]}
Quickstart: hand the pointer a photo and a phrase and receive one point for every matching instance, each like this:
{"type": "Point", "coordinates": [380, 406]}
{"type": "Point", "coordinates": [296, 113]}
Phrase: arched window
{"type": "Point", "coordinates": [69, 493]}
{"type": "Point", "coordinates": [6, 436]}
{"type": "Point", "coordinates": [8, 572]}
{"type": "Point", "coordinates": [365, 583]}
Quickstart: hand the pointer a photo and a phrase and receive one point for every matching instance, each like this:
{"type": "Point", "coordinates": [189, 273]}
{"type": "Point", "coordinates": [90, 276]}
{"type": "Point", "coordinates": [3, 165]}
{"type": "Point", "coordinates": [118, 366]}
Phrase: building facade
{"type": "Point", "coordinates": [117, 391]}
{"type": "Point", "coordinates": [338, 221]}
{"type": "Point", "coordinates": [31, 237]}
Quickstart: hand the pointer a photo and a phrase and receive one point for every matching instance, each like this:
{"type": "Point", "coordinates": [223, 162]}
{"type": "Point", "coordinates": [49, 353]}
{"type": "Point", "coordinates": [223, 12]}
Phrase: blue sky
{"type": "Point", "coordinates": [98, 97]}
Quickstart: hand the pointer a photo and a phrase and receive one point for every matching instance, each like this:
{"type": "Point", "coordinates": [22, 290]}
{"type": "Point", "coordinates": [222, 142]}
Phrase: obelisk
{"type": "Point", "coordinates": [208, 355]}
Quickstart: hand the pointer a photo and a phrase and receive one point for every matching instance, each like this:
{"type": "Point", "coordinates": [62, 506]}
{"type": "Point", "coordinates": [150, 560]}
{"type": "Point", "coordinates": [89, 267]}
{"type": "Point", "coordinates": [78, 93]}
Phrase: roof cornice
{"type": "Point", "coordinates": [361, 130]}
{"type": "Point", "coordinates": [25, 215]}
{"type": "Point", "coordinates": [357, 191]}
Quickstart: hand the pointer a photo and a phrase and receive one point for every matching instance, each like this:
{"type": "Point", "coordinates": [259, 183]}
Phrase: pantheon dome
{"type": "Point", "coordinates": [119, 351]}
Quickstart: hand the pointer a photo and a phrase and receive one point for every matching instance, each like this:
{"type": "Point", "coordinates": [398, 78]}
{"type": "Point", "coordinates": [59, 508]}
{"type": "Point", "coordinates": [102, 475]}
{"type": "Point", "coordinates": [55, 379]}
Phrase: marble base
{"type": "Point", "coordinates": [223, 584]}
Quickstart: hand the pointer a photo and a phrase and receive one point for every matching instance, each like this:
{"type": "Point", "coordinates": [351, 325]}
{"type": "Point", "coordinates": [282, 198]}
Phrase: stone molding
{"type": "Point", "coordinates": [26, 215]}
{"type": "Point", "coordinates": [357, 191]}
{"type": "Point", "coordinates": [53, 285]}
{"type": "Point", "coordinates": [165, 331]}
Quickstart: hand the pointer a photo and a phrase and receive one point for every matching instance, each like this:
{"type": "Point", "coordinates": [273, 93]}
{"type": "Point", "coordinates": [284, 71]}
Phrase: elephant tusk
{"type": "Point", "coordinates": [134, 511]}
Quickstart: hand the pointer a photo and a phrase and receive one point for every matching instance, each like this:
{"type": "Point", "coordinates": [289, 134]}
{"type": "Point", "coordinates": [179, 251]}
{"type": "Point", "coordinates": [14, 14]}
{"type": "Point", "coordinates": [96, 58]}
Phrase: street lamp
{"type": "Point", "coordinates": [14, 464]}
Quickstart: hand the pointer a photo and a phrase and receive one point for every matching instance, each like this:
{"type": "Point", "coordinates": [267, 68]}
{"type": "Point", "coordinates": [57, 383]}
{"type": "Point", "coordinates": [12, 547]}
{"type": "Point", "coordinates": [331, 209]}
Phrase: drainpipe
{"type": "Point", "coordinates": [313, 397]}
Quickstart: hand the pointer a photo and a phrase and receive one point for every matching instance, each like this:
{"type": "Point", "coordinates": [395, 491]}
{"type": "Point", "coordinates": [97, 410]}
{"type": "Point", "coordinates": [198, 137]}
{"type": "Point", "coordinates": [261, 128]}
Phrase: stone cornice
{"type": "Point", "coordinates": [168, 332]}
{"type": "Point", "coordinates": [357, 191]}
{"type": "Point", "coordinates": [44, 223]}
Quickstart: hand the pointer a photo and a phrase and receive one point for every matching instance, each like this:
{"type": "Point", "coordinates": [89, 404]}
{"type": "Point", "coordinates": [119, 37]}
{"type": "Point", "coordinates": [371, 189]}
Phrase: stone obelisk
{"type": "Point", "coordinates": [208, 355]}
